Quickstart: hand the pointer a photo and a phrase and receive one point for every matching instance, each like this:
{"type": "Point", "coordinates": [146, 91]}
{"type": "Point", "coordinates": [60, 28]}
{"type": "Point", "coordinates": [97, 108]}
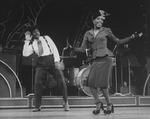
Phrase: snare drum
{"type": "Point", "coordinates": [81, 80]}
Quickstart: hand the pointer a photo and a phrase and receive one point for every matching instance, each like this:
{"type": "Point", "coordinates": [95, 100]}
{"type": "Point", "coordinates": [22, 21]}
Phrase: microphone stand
{"type": "Point", "coordinates": [32, 75]}
{"type": "Point", "coordinates": [62, 58]}
{"type": "Point", "coordinates": [129, 93]}
{"type": "Point", "coordinates": [116, 82]}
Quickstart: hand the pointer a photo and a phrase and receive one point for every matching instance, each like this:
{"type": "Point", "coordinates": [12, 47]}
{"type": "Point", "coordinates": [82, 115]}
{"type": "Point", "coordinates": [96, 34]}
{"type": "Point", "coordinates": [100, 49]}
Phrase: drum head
{"type": "Point", "coordinates": [82, 80]}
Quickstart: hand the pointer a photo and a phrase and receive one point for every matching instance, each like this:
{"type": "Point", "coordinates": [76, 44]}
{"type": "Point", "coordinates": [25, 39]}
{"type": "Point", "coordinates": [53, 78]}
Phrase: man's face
{"type": "Point", "coordinates": [36, 33]}
{"type": "Point", "coordinates": [98, 22]}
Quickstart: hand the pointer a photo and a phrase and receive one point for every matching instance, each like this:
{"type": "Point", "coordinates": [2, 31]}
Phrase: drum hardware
{"type": "Point", "coordinates": [147, 79]}
{"type": "Point", "coordinates": [72, 76]}
{"type": "Point", "coordinates": [67, 81]}
{"type": "Point", "coordinates": [62, 55]}
{"type": "Point", "coordinates": [115, 52]}
{"type": "Point", "coordinates": [129, 65]}
{"type": "Point", "coordinates": [86, 62]}
{"type": "Point", "coordinates": [117, 94]}
{"type": "Point", "coordinates": [131, 61]}
{"type": "Point", "coordinates": [129, 93]}
{"type": "Point", "coordinates": [89, 57]}
{"type": "Point", "coordinates": [32, 63]}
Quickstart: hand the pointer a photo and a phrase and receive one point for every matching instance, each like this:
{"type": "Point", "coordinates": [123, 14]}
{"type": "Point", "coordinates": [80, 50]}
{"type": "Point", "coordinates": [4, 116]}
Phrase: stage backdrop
{"type": "Point", "coordinates": [7, 78]}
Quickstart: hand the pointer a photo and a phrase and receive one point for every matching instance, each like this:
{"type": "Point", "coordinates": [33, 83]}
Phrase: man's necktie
{"type": "Point", "coordinates": [40, 48]}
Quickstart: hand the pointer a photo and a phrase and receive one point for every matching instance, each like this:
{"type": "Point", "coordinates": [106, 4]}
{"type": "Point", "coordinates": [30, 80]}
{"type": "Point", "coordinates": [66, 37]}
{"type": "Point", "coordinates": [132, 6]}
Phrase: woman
{"type": "Point", "coordinates": [102, 63]}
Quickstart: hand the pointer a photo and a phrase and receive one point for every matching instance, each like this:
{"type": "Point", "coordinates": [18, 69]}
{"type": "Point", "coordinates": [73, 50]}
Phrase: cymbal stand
{"type": "Point", "coordinates": [62, 60]}
{"type": "Point", "coordinates": [129, 93]}
{"type": "Point", "coordinates": [32, 75]}
{"type": "Point", "coordinates": [116, 94]}
{"type": "Point", "coordinates": [115, 64]}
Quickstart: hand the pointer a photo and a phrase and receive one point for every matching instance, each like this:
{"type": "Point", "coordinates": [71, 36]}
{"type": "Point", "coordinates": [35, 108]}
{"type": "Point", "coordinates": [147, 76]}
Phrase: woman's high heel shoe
{"type": "Point", "coordinates": [99, 106]}
{"type": "Point", "coordinates": [110, 109]}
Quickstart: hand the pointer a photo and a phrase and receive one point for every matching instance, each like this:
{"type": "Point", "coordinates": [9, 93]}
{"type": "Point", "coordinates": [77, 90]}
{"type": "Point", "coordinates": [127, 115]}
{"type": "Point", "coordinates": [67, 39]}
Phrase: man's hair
{"type": "Point", "coordinates": [32, 28]}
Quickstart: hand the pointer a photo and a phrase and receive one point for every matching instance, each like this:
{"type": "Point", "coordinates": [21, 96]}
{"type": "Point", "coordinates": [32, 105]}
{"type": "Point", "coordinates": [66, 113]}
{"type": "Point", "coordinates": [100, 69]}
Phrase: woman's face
{"type": "Point", "coordinates": [98, 22]}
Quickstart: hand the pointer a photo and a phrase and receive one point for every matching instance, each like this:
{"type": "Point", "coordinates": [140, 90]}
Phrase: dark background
{"type": "Point", "coordinates": [62, 19]}
{"type": "Point", "coordinates": [69, 19]}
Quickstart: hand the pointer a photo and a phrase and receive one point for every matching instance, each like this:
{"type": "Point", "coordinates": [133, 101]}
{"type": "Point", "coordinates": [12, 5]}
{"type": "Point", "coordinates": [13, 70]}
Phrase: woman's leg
{"type": "Point", "coordinates": [106, 95]}
{"type": "Point", "coordinates": [95, 94]}
{"type": "Point", "coordinates": [99, 104]}
{"type": "Point", "coordinates": [110, 107]}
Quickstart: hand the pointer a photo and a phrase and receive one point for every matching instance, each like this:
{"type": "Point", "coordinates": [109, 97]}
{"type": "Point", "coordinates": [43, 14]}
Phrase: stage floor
{"type": "Point", "coordinates": [76, 113]}
{"type": "Point", "coordinates": [74, 102]}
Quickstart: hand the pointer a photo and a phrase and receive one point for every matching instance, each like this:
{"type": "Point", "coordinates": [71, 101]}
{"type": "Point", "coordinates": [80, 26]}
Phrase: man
{"type": "Point", "coordinates": [48, 61]}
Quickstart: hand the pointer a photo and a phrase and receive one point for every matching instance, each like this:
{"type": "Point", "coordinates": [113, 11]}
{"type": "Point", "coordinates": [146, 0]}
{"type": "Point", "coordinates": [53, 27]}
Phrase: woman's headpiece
{"type": "Point", "coordinates": [101, 13]}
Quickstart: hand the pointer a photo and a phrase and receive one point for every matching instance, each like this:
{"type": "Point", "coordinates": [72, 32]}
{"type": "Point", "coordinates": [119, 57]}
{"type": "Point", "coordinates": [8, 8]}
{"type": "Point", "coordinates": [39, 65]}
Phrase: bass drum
{"type": "Point", "coordinates": [81, 80]}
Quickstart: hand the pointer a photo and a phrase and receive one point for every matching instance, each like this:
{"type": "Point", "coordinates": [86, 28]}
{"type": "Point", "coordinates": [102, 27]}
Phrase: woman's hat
{"type": "Point", "coordinates": [101, 13]}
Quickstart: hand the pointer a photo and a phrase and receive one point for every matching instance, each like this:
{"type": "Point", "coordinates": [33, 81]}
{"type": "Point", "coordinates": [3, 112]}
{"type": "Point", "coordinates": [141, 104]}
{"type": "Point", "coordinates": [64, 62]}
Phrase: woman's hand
{"type": "Point", "coordinates": [136, 35]}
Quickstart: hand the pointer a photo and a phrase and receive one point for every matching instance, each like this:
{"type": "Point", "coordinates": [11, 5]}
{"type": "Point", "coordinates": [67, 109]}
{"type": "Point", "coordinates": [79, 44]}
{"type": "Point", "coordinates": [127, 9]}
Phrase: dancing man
{"type": "Point", "coordinates": [48, 62]}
